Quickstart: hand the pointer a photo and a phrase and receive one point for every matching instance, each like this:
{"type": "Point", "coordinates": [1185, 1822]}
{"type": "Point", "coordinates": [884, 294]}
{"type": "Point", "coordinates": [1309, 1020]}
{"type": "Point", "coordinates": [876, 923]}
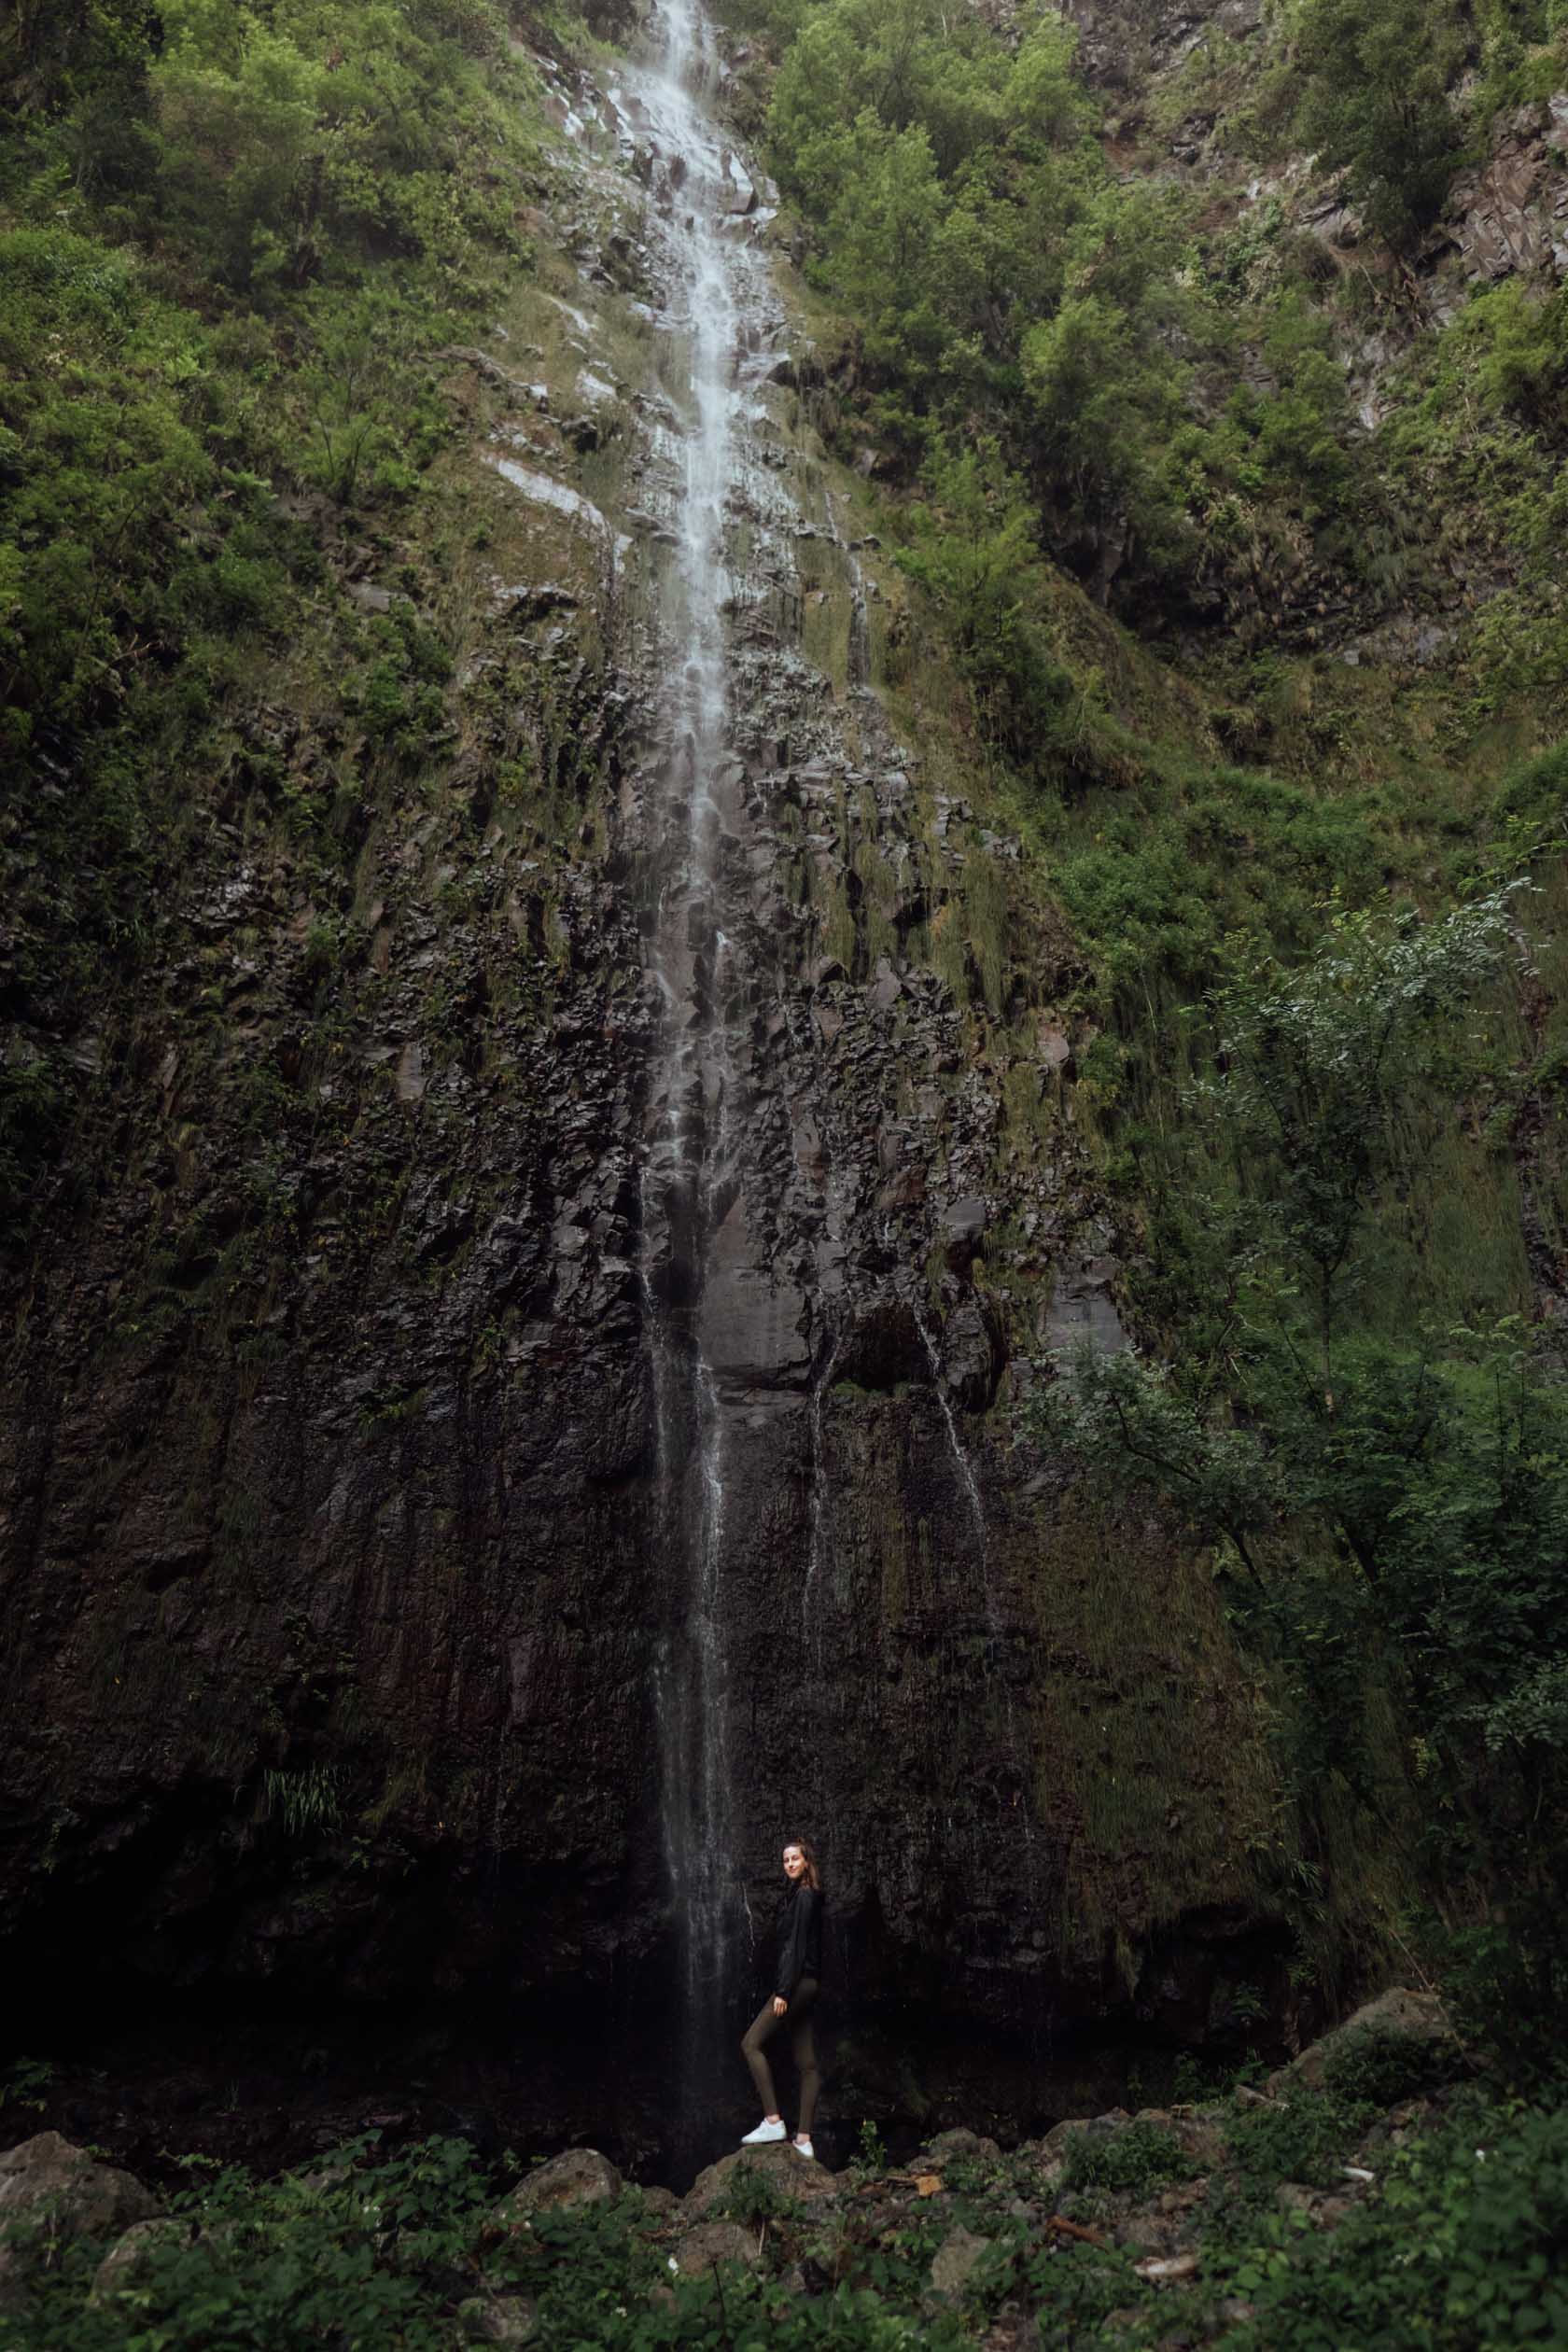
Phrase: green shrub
{"type": "Point", "coordinates": [304, 1800]}
{"type": "Point", "coordinates": [1382, 2068]}
{"type": "Point", "coordinates": [1076, 2288]}
{"type": "Point", "coordinates": [1458, 2251]}
{"type": "Point", "coordinates": [1134, 2157]}
{"type": "Point", "coordinates": [352, 2252]}
{"type": "Point", "coordinates": [1304, 2137]}
{"type": "Point", "coordinates": [1507, 1982]}
{"type": "Point", "coordinates": [755, 2196]}
{"type": "Point", "coordinates": [1536, 790]}
{"type": "Point", "coordinates": [1375, 76]}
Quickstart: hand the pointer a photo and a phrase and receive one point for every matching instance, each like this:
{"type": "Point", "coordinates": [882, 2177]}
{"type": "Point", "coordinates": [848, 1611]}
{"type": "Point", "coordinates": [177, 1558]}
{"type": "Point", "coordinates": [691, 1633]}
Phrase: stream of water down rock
{"type": "Point", "coordinates": [714, 290]}
{"type": "Point", "coordinates": [735, 600]}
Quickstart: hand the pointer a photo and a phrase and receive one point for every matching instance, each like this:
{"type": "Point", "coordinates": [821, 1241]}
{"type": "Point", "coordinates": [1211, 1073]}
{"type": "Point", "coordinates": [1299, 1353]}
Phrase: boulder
{"type": "Point", "coordinates": [497, 2319]}
{"type": "Point", "coordinates": [1398, 2014]}
{"type": "Point", "coordinates": [949, 2145]}
{"type": "Point", "coordinates": [1060, 2138]}
{"type": "Point", "coordinates": [799, 2177]}
{"type": "Point", "coordinates": [119, 2267]}
{"type": "Point", "coordinates": [714, 2242]}
{"type": "Point", "coordinates": [47, 2180]}
{"type": "Point", "coordinates": [955, 2262]}
{"type": "Point", "coordinates": [84, 2197]}
{"type": "Point", "coordinates": [577, 2177]}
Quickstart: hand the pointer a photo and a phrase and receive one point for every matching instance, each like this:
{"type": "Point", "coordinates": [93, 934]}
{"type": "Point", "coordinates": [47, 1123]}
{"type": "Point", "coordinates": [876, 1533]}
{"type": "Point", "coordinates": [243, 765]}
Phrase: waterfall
{"type": "Point", "coordinates": [722, 618]}
{"type": "Point", "coordinates": [689, 1142]}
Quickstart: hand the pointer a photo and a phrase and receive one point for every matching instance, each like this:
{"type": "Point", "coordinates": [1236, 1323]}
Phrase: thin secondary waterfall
{"type": "Point", "coordinates": [811, 1596]}
{"type": "Point", "coordinates": [995, 1628]}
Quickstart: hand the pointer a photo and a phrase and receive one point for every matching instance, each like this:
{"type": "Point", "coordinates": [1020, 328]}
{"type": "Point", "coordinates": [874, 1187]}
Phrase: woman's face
{"type": "Point", "coordinates": [794, 1863]}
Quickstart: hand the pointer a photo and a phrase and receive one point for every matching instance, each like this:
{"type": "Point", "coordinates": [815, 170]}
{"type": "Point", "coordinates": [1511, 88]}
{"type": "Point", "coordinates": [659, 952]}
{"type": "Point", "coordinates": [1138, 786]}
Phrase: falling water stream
{"type": "Point", "coordinates": [722, 327]}
{"type": "Point", "coordinates": [698, 191]}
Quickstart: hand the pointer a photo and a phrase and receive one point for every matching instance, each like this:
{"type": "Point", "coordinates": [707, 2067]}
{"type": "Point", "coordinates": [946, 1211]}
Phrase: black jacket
{"type": "Point", "coordinates": [800, 1939]}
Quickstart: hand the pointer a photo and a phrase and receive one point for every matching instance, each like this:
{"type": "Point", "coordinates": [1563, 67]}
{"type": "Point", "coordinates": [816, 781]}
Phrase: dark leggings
{"type": "Point", "coordinates": [801, 2049]}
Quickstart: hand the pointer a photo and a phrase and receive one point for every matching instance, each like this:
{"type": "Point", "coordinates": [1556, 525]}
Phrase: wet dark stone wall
{"type": "Point", "coordinates": [343, 1581]}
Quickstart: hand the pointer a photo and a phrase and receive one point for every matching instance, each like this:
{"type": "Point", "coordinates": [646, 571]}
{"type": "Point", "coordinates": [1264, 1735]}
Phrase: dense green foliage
{"type": "Point", "coordinates": [1377, 103]}
{"type": "Point", "coordinates": [340, 2255]}
{"type": "Point", "coordinates": [1449, 2248]}
{"type": "Point", "coordinates": [993, 265]}
{"type": "Point", "coordinates": [1398, 1502]}
{"type": "Point", "coordinates": [1069, 356]}
{"type": "Point", "coordinates": [1458, 2251]}
{"type": "Point", "coordinates": [230, 239]}
{"type": "Point", "coordinates": [1140, 2158]}
{"type": "Point", "coordinates": [1003, 276]}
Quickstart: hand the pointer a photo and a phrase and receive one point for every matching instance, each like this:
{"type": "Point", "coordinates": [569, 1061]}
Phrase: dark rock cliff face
{"type": "Point", "coordinates": [347, 1589]}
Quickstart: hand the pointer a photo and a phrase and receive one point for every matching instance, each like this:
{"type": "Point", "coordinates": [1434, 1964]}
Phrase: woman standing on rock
{"type": "Point", "coordinates": [794, 1996]}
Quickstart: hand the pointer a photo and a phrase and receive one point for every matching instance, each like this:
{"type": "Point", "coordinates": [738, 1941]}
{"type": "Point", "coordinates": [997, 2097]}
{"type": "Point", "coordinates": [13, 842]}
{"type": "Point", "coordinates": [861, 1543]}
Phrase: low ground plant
{"type": "Point", "coordinates": [1137, 2158]}
{"type": "Point", "coordinates": [1305, 2138]}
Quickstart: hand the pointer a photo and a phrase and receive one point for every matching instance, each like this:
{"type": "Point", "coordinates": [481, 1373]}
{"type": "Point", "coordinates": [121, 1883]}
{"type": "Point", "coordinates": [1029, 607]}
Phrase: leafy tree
{"type": "Point", "coordinates": [972, 550]}
{"type": "Point", "coordinates": [1377, 74]}
{"type": "Point", "coordinates": [1398, 1507]}
{"type": "Point", "coordinates": [1300, 428]}
{"type": "Point", "coordinates": [1314, 1063]}
{"type": "Point", "coordinates": [1443, 1477]}
{"type": "Point", "coordinates": [54, 55]}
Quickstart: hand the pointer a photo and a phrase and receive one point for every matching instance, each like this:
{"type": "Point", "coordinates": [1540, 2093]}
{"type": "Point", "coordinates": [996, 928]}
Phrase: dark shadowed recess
{"type": "Point", "coordinates": [275, 2071]}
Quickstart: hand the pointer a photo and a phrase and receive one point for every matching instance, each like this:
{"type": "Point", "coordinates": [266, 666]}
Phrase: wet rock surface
{"type": "Point", "coordinates": [343, 1567]}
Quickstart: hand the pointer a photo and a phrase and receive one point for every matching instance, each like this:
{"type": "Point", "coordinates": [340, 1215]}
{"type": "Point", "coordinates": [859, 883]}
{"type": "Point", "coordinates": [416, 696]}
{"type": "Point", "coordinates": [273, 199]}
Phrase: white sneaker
{"type": "Point", "coordinates": [803, 2147]}
{"type": "Point", "coordinates": [763, 2135]}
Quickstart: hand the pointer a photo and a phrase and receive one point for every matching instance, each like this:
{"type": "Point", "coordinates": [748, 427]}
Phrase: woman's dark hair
{"type": "Point", "coordinates": [813, 1876]}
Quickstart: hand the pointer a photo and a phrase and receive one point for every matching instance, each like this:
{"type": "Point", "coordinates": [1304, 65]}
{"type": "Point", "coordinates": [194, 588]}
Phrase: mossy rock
{"type": "Point", "coordinates": [577, 2177]}
{"type": "Point", "coordinates": [497, 2319]}
{"type": "Point", "coordinates": [1391, 2048]}
{"type": "Point", "coordinates": [713, 2243]}
{"type": "Point", "coordinates": [773, 2177]}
